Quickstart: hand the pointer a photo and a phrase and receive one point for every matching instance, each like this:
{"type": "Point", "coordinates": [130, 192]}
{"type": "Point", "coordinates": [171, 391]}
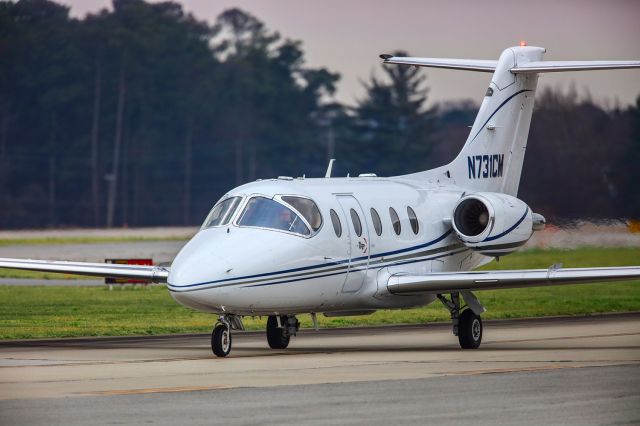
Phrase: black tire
{"type": "Point", "coordinates": [469, 330]}
{"type": "Point", "coordinates": [276, 337]}
{"type": "Point", "coordinates": [221, 340]}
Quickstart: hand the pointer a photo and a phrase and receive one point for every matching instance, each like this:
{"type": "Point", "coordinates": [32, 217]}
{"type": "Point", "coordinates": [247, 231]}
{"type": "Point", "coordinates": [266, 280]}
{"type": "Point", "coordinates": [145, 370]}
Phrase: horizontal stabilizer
{"type": "Point", "coordinates": [445, 282]}
{"type": "Point", "coordinates": [456, 64]}
{"type": "Point", "coordinates": [559, 66]}
{"type": "Point", "coordinates": [524, 68]}
{"type": "Point", "coordinates": [156, 274]}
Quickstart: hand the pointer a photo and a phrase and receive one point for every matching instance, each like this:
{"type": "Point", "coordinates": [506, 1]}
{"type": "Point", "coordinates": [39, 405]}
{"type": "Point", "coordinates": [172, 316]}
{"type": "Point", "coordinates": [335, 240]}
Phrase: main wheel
{"type": "Point", "coordinates": [469, 330]}
{"type": "Point", "coordinates": [277, 337]}
{"type": "Point", "coordinates": [221, 340]}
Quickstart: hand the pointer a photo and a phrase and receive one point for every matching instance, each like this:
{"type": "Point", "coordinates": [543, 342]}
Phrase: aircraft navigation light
{"type": "Point", "coordinates": [523, 43]}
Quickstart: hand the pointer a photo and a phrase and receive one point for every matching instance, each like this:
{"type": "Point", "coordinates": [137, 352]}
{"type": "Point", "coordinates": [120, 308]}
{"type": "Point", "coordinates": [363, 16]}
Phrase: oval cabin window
{"type": "Point", "coordinates": [413, 220]}
{"type": "Point", "coordinates": [357, 225]}
{"type": "Point", "coordinates": [377, 224]}
{"type": "Point", "coordinates": [395, 221]}
{"type": "Point", "coordinates": [335, 220]}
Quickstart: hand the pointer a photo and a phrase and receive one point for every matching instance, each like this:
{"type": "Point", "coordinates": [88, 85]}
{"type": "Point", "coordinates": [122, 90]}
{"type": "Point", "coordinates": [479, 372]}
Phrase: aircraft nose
{"type": "Point", "coordinates": [200, 261]}
{"type": "Point", "coordinates": [197, 270]}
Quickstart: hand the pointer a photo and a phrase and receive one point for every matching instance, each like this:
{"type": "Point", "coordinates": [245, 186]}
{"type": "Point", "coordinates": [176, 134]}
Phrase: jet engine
{"type": "Point", "coordinates": [494, 224]}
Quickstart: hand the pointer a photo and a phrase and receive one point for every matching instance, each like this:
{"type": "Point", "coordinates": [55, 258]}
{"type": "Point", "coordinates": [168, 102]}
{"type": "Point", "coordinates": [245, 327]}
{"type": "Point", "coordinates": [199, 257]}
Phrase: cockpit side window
{"type": "Point", "coordinates": [222, 212]}
{"type": "Point", "coordinates": [264, 212]}
{"type": "Point", "coordinates": [307, 208]}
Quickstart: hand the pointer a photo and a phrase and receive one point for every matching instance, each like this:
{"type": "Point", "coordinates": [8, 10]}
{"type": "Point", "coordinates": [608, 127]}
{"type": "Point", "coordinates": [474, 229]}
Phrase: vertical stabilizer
{"type": "Point", "coordinates": [492, 158]}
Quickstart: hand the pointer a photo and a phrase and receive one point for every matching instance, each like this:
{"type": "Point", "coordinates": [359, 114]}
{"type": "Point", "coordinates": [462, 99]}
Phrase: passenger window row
{"type": "Point", "coordinates": [377, 223]}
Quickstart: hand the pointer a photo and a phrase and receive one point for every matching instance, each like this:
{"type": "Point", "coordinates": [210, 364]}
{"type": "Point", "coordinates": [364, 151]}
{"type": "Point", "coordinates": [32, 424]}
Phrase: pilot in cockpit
{"type": "Point", "coordinates": [284, 219]}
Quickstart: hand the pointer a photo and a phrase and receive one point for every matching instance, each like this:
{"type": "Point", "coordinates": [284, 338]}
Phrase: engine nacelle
{"type": "Point", "coordinates": [491, 223]}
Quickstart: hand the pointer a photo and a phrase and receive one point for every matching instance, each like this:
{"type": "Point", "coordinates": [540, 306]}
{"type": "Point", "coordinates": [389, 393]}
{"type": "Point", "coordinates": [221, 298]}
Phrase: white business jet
{"type": "Point", "coordinates": [349, 246]}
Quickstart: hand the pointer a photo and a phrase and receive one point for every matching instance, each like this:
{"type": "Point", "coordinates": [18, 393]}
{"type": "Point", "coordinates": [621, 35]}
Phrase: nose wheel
{"type": "Point", "coordinates": [221, 335]}
{"type": "Point", "coordinates": [221, 340]}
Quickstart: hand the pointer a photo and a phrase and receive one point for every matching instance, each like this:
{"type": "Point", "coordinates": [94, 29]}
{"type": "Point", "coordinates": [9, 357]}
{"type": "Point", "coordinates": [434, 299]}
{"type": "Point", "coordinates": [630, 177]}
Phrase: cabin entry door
{"type": "Point", "coordinates": [356, 231]}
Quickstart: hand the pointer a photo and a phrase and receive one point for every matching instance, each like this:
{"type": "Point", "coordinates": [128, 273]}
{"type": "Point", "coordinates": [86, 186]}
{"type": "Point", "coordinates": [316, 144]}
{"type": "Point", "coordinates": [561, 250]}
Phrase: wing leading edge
{"type": "Point", "coordinates": [444, 282]}
{"type": "Point", "coordinates": [156, 274]}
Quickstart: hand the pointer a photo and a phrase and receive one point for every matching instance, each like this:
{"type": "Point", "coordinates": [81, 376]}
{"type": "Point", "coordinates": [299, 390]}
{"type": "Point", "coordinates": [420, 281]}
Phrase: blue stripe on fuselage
{"type": "Point", "coordinates": [319, 274]}
{"type": "Point", "coordinates": [355, 270]}
{"type": "Point", "coordinates": [317, 266]}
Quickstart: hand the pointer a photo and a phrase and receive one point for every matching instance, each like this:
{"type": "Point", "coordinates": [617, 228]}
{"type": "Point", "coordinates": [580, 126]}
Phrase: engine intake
{"type": "Point", "coordinates": [471, 217]}
{"type": "Point", "coordinates": [491, 223]}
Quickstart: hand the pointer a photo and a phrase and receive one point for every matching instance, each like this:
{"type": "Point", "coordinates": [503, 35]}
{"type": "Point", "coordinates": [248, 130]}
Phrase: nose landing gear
{"type": "Point", "coordinates": [280, 329]}
{"type": "Point", "coordinates": [221, 335]}
{"type": "Point", "coordinates": [221, 340]}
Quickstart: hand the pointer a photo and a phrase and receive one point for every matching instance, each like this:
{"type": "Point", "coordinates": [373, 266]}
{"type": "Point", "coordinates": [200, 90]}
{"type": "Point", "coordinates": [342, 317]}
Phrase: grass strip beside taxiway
{"type": "Point", "coordinates": [42, 312]}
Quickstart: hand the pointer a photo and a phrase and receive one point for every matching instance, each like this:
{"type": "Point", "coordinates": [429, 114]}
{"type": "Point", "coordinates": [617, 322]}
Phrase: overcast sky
{"type": "Point", "coordinates": [347, 36]}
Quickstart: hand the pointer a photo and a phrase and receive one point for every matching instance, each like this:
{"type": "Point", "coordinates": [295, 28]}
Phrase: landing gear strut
{"type": "Point", "coordinates": [221, 335]}
{"type": "Point", "coordinates": [280, 329]}
{"type": "Point", "coordinates": [466, 325]}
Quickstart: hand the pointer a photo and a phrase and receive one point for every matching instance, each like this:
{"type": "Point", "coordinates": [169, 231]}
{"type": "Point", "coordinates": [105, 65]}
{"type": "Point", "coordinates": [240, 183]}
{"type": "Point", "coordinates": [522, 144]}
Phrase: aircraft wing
{"type": "Point", "coordinates": [446, 282]}
{"type": "Point", "coordinates": [156, 274]}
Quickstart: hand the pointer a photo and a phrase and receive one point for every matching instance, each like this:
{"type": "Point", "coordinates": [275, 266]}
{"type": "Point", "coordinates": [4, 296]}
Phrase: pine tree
{"type": "Point", "coordinates": [393, 128]}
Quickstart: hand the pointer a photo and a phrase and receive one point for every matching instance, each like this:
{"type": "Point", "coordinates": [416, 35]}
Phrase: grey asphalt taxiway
{"type": "Point", "coordinates": [582, 370]}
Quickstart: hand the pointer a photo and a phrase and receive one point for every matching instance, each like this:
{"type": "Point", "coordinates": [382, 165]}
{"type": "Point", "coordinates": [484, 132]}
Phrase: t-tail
{"type": "Point", "coordinates": [491, 159]}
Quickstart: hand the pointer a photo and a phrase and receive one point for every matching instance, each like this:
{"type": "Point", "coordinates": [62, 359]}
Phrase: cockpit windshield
{"type": "Point", "coordinates": [264, 212]}
{"type": "Point", "coordinates": [222, 212]}
{"type": "Point", "coordinates": [307, 208]}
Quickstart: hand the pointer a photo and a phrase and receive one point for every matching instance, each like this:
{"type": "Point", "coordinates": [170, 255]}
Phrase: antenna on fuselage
{"type": "Point", "coordinates": [329, 168]}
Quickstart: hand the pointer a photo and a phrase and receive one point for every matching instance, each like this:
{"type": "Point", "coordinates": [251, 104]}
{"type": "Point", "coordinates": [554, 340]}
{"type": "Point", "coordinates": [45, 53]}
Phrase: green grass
{"type": "Point", "coordinates": [32, 312]}
{"type": "Point", "coordinates": [570, 258]}
{"type": "Point", "coordinates": [83, 240]}
{"type": "Point", "coordinates": [17, 273]}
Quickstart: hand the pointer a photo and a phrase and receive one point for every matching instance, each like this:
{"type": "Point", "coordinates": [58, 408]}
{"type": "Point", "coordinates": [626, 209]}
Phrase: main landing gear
{"type": "Point", "coordinates": [467, 325]}
{"type": "Point", "coordinates": [280, 329]}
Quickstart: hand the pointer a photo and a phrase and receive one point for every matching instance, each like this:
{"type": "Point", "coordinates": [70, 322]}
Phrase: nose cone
{"type": "Point", "coordinates": [199, 265]}
{"type": "Point", "coordinates": [214, 270]}
{"type": "Point", "coordinates": [200, 261]}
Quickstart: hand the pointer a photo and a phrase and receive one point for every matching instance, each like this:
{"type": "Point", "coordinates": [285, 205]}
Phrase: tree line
{"type": "Point", "coordinates": [144, 116]}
